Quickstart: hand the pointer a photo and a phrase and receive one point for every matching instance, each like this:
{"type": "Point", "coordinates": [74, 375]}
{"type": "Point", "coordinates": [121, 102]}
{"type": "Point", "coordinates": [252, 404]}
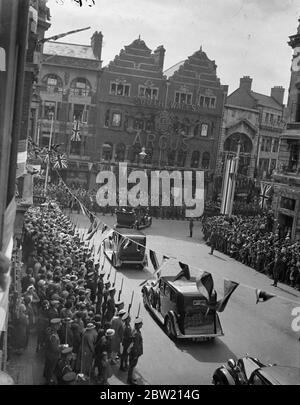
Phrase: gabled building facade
{"type": "Point", "coordinates": [286, 199]}
{"type": "Point", "coordinates": [67, 86]}
{"type": "Point", "coordinates": [257, 121]}
{"type": "Point", "coordinates": [174, 116]}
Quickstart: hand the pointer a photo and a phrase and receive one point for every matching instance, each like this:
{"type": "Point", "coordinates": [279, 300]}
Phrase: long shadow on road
{"type": "Point", "coordinates": [212, 351]}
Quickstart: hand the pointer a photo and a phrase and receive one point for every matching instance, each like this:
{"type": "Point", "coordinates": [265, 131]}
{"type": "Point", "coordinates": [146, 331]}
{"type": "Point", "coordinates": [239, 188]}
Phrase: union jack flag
{"type": "Point", "coordinates": [265, 194]}
{"type": "Point", "coordinates": [60, 162]}
{"type": "Point", "coordinates": [76, 132]}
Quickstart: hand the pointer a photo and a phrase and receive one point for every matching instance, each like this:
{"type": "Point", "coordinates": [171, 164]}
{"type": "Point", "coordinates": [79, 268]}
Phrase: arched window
{"type": "Point", "coordinates": [195, 159]}
{"type": "Point", "coordinates": [120, 152]}
{"type": "Point", "coordinates": [107, 152]}
{"type": "Point", "coordinates": [53, 83]}
{"type": "Point", "coordinates": [171, 157]}
{"type": "Point", "coordinates": [196, 129]}
{"type": "Point", "coordinates": [149, 156]}
{"type": "Point", "coordinates": [80, 87]}
{"type": "Point", "coordinates": [181, 158]}
{"type": "Point", "coordinates": [205, 160]}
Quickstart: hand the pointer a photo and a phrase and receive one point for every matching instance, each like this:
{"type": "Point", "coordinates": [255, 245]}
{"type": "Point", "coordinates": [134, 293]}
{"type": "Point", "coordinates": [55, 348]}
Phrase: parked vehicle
{"type": "Point", "coordinates": [181, 308]}
{"type": "Point", "coordinates": [121, 249]}
{"type": "Point", "coordinates": [250, 371]}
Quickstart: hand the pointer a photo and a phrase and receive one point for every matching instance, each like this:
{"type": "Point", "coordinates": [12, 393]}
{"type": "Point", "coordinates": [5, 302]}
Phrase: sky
{"type": "Point", "coordinates": [243, 37]}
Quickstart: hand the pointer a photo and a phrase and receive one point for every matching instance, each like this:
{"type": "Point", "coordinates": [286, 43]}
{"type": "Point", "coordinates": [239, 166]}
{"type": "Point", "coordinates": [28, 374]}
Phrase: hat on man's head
{"type": "Point", "coordinates": [101, 273]}
{"type": "Point", "coordinates": [121, 312]}
{"type": "Point", "coordinates": [110, 332]}
{"type": "Point", "coordinates": [125, 316]}
{"type": "Point", "coordinates": [69, 377]}
{"type": "Point", "coordinates": [138, 321]}
{"type": "Point", "coordinates": [66, 350]}
{"type": "Point", "coordinates": [90, 326]}
{"type": "Point", "coordinates": [119, 304]}
{"type": "Point", "coordinates": [55, 321]}
{"type": "Point", "coordinates": [111, 289]}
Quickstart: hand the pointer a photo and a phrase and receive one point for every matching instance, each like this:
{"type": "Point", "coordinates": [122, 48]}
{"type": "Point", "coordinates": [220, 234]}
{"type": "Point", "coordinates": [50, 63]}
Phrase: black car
{"type": "Point", "coordinates": [250, 371]}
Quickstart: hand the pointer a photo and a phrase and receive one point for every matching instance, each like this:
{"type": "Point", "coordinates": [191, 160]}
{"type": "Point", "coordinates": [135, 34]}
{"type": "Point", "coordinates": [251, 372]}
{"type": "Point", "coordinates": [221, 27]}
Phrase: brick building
{"type": "Point", "coordinates": [257, 121]}
{"type": "Point", "coordinates": [286, 199]}
{"type": "Point", "coordinates": [174, 116]}
{"type": "Point", "coordinates": [67, 86]}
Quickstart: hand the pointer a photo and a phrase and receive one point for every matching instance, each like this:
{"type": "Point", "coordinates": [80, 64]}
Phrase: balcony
{"type": "Point", "coordinates": [292, 131]}
{"type": "Point", "coordinates": [288, 178]}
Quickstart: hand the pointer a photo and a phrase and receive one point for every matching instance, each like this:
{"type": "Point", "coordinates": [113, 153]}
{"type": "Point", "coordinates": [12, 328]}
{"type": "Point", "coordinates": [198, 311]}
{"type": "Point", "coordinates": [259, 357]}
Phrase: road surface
{"type": "Point", "coordinates": [262, 330]}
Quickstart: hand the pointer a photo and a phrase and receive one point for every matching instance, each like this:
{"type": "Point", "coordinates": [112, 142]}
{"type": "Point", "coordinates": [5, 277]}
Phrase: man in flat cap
{"type": "Point", "coordinates": [52, 350]}
{"type": "Point", "coordinates": [105, 296]}
{"type": "Point", "coordinates": [135, 350]}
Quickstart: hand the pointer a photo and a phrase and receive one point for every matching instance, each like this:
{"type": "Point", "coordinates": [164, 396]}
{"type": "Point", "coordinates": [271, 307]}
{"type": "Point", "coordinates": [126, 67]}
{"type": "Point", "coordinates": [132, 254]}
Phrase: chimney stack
{"type": "Point", "coordinates": [246, 83]}
{"type": "Point", "coordinates": [159, 56]}
{"type": "Point", "coordinates": [96, 44]}
{"type": "Point", "coordinates": [277, 92]}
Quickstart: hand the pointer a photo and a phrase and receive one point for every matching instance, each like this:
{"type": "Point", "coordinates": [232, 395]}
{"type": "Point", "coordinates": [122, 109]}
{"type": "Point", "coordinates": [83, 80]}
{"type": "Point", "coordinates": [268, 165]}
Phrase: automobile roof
{"type": "Point", "coordinates": [184, 286]}
{"type": "Point", "coordinates": [281, 375]}
{"type": "Point", "coordinates": [130, 232]}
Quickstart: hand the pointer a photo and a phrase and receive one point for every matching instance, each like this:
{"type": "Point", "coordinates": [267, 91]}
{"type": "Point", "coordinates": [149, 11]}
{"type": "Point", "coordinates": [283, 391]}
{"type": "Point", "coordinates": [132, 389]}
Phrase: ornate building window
{"type": "Point", "coordinates": [205, 160]}
{"type": "Point", "coordinates": [120, 152]}
{"type": "Point", "coordinates": [107, 152]}
{"type": "Point", "coordinates": [116, 119]}
{"type": "Point", "coordinates": [207, 102]}
{"type": "Point", "coordinates": [195, 159]}
{"type": "Point", "coordinates": [204, 130]}
{"type": "Point", "coordinates": [183, 98]}
{"type": "Point", "coordinates": [119, 89]}
{"type": "Point", "coordinates": [181, 158]}
{"type": "Point", "coordinates": [148, 92]}
{"type": "Point", "coordinates": [53, 83]}
{"type": "Point", "coordinates": [80, 87]}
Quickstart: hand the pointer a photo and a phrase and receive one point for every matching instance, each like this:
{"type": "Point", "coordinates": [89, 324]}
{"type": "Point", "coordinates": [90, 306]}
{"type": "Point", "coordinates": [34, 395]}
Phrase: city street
{"type": "Point", "coordinates": [262, 330]}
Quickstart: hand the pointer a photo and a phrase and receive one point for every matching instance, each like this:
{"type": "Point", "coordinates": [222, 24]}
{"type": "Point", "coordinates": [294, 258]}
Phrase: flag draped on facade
{"type": "Point", "coordinates": [76, 131]}
{"type": "Point", "coordinates": [265, 194]}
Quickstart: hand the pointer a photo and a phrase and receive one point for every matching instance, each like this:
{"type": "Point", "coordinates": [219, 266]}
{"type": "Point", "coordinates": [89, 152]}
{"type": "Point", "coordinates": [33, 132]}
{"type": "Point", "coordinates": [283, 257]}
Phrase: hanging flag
{"type": "Point", "coordinates": [205, 280]}
{"type": "Point", "coordinates": [83, 209]}
{"type": "Point", "coordinates": [76, 132]}
{"type": "Point", "coordinates": [99, 249]}
{"type": "Point", "coordinates": [94, 223]}
{"type": "Point", "coordinates": [185, 272]}
{"type": "Point", "coordinates": [104, 228]}
{"type": "Point", "coordinates": [95, 230]}
{"type": "Point", "coordinates": [60, 161]}
{"type": "Point", "coordinates": [265, 194]}
{"type": "Point", "coordinates": [157, 272]}
{"type": "Point", "coordinates": [229, 287]}
{"type": "Point", "coordinates": [153, 259]}
{"type": "Point", "coordinates": [263, 296]}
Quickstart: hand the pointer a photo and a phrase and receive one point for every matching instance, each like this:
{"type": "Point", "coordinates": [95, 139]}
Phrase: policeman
{"type": "Point", "coordinates": [100, 288]}
{"type": "Point", "coordinates": [127, 336]}
{"type": "Point", "coordinates": [135, 349]}
{"type": "Point", "coordinates": [110, 305]}
{"type": "Point", "coordinates": [52, 350]}
{"type": "Point", "coordinates": [64, 365]}
{"type": "Point", "coordinates": [105, 296]}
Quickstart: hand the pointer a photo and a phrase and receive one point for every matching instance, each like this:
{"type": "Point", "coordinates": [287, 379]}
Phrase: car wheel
{"type": "Point", "coordinates": [217, 380]}
{"type": "Point", "coordinates": [169, 328]}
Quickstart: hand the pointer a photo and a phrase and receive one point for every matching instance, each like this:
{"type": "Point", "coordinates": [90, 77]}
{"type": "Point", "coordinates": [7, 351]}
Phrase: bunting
{"type": "Point", "coordinates": [153, 259]}
{"type": "Point", "coordinates": [203, 280]}
{"type": "Point", "coordinates": [184, 273]}
{"type": "Point", "coordinates": [263, 296]}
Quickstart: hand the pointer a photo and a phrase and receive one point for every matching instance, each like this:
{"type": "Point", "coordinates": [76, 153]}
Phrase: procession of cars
{"type": "Point", "coordinates": [179, 306]}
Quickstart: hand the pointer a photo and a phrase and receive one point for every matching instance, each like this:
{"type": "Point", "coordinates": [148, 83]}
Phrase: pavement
{"type": "Point", "coordinates": [262, 330]}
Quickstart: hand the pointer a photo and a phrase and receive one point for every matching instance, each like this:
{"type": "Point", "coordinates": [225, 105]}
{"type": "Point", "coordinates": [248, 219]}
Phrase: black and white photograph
{"type": "Point", "coordinates": [149, 195]}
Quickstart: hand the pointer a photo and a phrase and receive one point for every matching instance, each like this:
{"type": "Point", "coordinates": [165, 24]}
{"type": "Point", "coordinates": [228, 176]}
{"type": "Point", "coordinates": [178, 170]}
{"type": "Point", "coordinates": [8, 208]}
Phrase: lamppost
{"type": "Point", "coordinates": [51, 115]}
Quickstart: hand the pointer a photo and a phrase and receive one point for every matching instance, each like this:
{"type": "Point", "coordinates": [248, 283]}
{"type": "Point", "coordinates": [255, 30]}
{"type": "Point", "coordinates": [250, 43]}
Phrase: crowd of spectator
{"type": "Point", "coordinates": [257, 241]}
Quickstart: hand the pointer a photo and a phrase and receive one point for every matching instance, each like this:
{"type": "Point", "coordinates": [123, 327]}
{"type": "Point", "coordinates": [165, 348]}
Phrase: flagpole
{"type": "Point", "coordinates": [49, 148]}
